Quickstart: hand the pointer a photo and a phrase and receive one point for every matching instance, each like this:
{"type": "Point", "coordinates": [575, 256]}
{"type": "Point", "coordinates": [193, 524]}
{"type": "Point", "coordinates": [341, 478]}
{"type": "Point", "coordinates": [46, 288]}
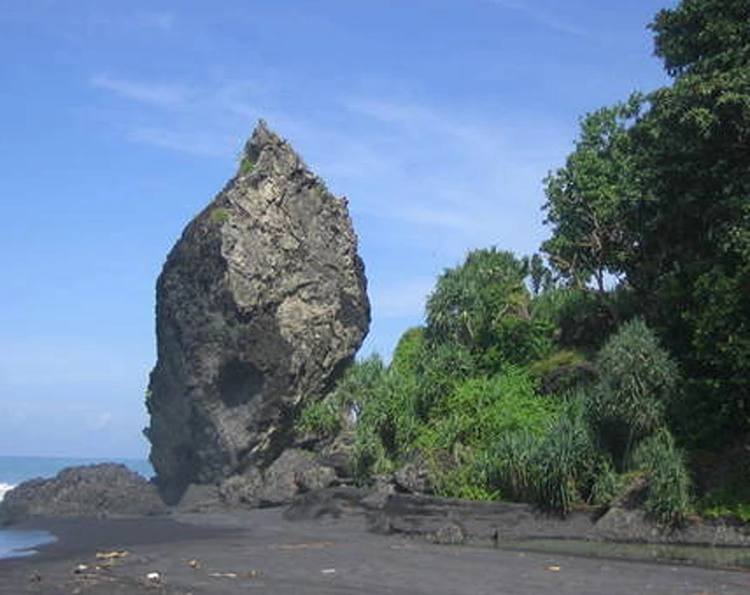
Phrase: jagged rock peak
{"type": "Point", "coordinates": [260, 305]}
{"type": "Point", "coordinates": [267, 153]}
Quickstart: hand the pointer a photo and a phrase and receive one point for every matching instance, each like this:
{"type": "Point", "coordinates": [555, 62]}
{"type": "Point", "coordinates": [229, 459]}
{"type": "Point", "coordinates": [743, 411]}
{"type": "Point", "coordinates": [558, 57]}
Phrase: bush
{"type": "Point", "coordinates": [480, 410]}
{"type": "Point", "coordinates": [637, 379]}
{"type": "Point", "coordinates": [482, 305]}
{"type": "Point", "coordinates": [550, 468]}
{"type": "Point", "coordinates": [564, 461]}
{"type": "Point", "coordinates": [509, 465]}
{"type": "Point", "coordinates": [669, 486]}
{"type": "Point", "coordinates": [606, 483]}
{"type": "Point", "coordinates": [409, 351]}
{"type": "Point", "coordinates": [247, 165]}
{"type": "Point", "coordinates": [583, 318]}
{"type": "Point", "coordinates": [441, 369]}
{"type": "Point", "coordinates": [322, 418]}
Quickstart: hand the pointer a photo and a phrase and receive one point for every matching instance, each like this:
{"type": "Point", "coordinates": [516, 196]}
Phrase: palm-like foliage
{"type": "Point", "coordinates": [637, 380]}
{"type": "Point", "coordinates": [483, 305]}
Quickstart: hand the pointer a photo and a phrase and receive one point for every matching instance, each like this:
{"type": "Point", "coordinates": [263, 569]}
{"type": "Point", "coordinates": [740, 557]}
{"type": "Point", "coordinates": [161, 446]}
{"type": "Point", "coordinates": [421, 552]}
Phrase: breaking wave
{"type": "Point", "coordinates": [4, 487]}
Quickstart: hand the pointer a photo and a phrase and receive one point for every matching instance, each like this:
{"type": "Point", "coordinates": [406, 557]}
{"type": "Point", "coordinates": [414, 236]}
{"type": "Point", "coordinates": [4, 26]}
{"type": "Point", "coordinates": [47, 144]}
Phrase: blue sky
{"type": "Point", "coordinates": [438, 119]}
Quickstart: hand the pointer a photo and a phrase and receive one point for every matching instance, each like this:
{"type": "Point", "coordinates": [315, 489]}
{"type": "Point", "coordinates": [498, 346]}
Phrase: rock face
{"type": "Point", "coordinates": [260, 305]}
{"type": "Point", "coordinates": [94, 490]}
{"type": "Point", "coordinates": [294, 472]}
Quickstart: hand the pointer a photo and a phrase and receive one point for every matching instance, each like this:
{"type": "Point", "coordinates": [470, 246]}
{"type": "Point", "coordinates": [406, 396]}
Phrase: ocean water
{"type": "Point", "coordinates": [14, 470]}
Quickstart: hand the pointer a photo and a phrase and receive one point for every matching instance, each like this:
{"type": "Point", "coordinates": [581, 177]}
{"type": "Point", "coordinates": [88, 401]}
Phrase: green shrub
{"type": "Point", "coordinates": [566, 357]}
{"type": "Point", "coordinates": [606, 482]}
{"type": "Point", "coordinates": [481, 409]}
{"type": "Point", "coordinates": [514, 341]}
{"type": "Point", "coordinates": [737, 510]}
{"type": "Point", "coordinates": [322, 418]}
{"type": "Point", "coordinates": [409, 351]}
{"type": "Point", "coordinates": [220, 215]}
{"type": "Point", "coordinates": [637, 379]}
{"type": "Point", "coordinates": [729, 486]}
{"type": "Point", "coordinates": [441, 369]}
{"type": "Point", "coordinates": [551, 469]}
{"type": "Point", "coordinates": [668, 498]}
{"type": "Point", "coordinates": [387, 419]}
{"type": "Point", "coordinates": [247, 165]}
{"type": "Point", "coordinates": [583, 318]}
{"type": "Point", "coordinates": [509, 465]}
{"type": "Point", "coordinates": [564, 461]}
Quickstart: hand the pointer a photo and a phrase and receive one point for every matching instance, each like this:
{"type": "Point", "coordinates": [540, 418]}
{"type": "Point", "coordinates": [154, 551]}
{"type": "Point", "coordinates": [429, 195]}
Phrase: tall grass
{"type": "Point", "coordinates": [669, 485]}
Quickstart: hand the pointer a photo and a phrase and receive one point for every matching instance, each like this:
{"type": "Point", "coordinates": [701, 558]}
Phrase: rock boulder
{"type": "Point", "coordinates": [104, 490]}
{"type": "Point", "coordinates": [260, 306]}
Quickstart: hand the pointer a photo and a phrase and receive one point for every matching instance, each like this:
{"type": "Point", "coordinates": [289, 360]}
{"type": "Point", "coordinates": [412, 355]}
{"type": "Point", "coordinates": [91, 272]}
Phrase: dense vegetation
{"type": "Point", "coordinates": [617, 355]}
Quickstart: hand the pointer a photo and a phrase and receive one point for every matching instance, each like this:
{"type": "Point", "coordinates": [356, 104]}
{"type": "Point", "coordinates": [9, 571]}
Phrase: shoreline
{"type": "Point", "coordinates": [79, 535]}
{"type": "Point", "coordinates": [233, 552]}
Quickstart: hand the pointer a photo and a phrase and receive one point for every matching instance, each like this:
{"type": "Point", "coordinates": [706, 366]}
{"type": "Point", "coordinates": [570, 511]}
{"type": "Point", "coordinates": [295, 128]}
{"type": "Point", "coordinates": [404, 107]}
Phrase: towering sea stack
{"type": "Point", "coordinates": [260, 306]}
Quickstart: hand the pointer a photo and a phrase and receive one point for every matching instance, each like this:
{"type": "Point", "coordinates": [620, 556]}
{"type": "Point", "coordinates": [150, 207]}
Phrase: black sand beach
{"type": "Point", "coordinates": [260, 551]}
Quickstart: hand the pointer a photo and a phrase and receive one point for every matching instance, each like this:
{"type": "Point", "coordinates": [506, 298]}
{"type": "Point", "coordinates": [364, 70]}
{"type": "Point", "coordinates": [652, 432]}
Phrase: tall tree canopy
{"type": "Point", "coordinates": [590, 199]}
{"type": "Point", "coordinates": [671, 187]}
{"type": "Point", "coordinates": [483, 305]}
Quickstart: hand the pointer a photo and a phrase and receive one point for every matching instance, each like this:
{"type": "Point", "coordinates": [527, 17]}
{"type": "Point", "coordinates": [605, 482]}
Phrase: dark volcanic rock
{"type": "Point", "coordinates": [413, 477]}
{"type": "Point", "coordinates": [445, 520]}
{"type": "Point", "coordinates": [260, 305]}
{"type": "Point", "coordinates": [93, 490]}
{"type": "Point", "coordinates": [295, 472]}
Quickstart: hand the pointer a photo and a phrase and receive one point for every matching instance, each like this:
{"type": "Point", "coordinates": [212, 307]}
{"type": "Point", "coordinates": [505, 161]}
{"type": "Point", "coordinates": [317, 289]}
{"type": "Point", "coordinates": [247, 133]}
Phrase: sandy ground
{"type": "Point", "coordinates": [261, 552]}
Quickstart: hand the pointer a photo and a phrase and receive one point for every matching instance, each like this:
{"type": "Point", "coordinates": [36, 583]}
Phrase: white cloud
{"type": "Point", "coordinates": [541, 16]}
{"type": "Point", "coordinates": [156, 94]}
{"type": "Point", "coordinates": [197, 143]}
{"type": "Point", "coordinates": [433, 180]}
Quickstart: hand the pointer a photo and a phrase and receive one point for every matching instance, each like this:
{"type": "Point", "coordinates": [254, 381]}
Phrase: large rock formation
{"type": "Point", "coordinates": [260, 305]}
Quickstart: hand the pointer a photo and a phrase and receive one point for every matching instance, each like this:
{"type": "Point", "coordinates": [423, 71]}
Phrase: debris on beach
{"type": "Point", "coordinates": [111, 555]}
{"type": "Point", "coordinates": [80, 569]}
{"type": "Point", "coordinates": [249, 574]}
{"type": "Point", "coordinates": [154, 577]}
{"type": "Point", "coordinates": [194, 563]}
{"type": "Point", "coordinates": [303, 546]}
{"type": "Point", "coordinates": [553, 568]}
{"type": "Point", "coordinates": [223, 574]}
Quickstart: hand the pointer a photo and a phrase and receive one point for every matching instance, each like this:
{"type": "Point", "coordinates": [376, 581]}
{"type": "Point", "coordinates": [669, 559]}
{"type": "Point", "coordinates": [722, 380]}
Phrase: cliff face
{"type": "Point", "coordinates": [260, 305]}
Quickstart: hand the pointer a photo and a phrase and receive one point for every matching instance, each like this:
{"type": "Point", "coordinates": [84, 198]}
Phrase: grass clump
{"type": "Point", "coordinates": [220, 215]}
{"type": "Point", "coordinates": [247, 165]}
{"type": "Point", "coordinates": [668, 498]}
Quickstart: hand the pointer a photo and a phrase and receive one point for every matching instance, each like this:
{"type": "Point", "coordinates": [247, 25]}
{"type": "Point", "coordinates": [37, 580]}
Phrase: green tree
{"type": "Point", "coordinates": [590, 200]}
{"type": "Point", "coordinates": [657, 191]}
{"type": "Point", "coordinates": [691, 146]}
{"type": "Point", "coordinates": [637, 380]}
{"type": "Point", "coordinates": [483, 305]}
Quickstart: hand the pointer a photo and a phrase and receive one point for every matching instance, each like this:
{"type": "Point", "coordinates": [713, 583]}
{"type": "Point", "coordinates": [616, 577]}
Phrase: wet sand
{"type": "Point", "coordinates": [260, 551]}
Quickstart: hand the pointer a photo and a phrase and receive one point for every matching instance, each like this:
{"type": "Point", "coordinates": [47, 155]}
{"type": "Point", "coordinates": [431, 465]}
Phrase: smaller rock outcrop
{"type": "Point", "coordinates": [295, 472]}
{"type": "Point", "coordinates": [105, 490]}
